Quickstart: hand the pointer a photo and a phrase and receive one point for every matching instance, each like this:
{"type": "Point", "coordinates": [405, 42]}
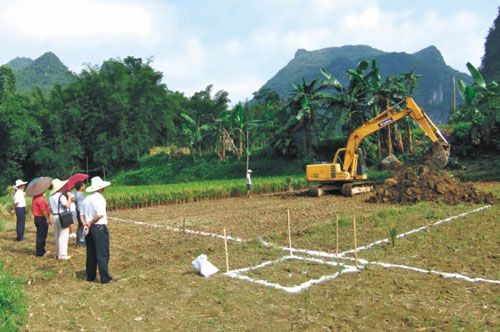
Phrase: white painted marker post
{"type": "Point", "coordinates": [289, 233]}
{"type": "Point", "coordinates": [337, 235]}
{"type": "Point", "coordinates": [355, 243]}
{"type": "Point", "coordinates": [225, 247]}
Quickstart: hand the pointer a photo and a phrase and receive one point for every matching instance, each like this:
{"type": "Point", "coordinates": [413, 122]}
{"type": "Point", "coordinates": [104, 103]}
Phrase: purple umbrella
{"type": "Point", "coordinates": [38, 186]}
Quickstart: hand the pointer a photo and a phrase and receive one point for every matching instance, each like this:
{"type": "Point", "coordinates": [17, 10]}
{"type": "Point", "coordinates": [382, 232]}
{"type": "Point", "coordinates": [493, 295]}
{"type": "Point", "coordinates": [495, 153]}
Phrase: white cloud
{"type": "Point", "coordinates": [232, 47]}
{"type": "Point", "coordinates": [76, 18]}
{"type": "Point", "coordinates": [369, 18]}
{"type": "Point", "coordinates": [186, 64]}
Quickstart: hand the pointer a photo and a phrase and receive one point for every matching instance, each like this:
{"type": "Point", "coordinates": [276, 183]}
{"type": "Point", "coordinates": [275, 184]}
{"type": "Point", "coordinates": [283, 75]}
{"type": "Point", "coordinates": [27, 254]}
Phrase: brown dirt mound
{"type": "Point", "coordinates": [411, 185]}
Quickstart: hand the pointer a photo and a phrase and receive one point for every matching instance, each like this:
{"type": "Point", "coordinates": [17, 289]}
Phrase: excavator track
{"type": "Point", "coordinates": [355, 188]}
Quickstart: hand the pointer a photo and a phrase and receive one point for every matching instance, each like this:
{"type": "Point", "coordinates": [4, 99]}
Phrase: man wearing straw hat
{"type": "Point", "coordinates": [97, 240]}
{"type": "Point", "coordinates": [20, 208]}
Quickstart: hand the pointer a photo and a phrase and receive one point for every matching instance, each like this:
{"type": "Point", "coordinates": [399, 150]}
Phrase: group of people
{"type": "Point", "coordinates": [89, 218]}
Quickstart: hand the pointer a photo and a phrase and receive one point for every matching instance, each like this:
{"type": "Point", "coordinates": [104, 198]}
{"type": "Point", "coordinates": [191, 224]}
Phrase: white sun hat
{"type": "Point", "coordinates": [97, 184]}
{"type": "Point", "coordinates": [57, 185]}
{"type": "Point", "coordinates": [19, 182]}
{"type": "Point", "coordinates": [249, 171]}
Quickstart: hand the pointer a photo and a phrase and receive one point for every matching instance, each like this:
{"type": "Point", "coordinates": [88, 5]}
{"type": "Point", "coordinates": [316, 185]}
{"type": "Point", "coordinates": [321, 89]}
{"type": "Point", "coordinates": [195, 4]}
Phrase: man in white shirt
{"type": "Point", "coordinates": [249, 182]}
{"type": "Point", "coordinates": [97, 240]}
{"type": "Point", "coordinates": [20, 208]}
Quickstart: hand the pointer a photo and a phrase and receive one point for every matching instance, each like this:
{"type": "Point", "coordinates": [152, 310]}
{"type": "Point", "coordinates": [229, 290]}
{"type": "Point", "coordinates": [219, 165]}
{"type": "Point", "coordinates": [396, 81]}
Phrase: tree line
{"type": "Point", "coordinates": [113, 114]}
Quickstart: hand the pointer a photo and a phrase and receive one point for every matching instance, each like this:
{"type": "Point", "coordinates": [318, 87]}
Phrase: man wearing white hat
{"type": "Point", "coordinates": [20, 208]}
{"type": "Point", "coordinates": [97, 240]}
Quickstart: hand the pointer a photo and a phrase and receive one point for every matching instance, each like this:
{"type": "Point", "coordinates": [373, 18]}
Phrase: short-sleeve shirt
{"type": "Point", "coordinates": [249, 179]}
{"type": "Point", "coordinates": [19, 198]}
{"type": "Point", "coordinates": [95, 205]}
{"type": "Point", "coordinates": [53, 201]}
{"type": "Point", "coordinates": [79, 197]}
{"type": "Point", "coordinates": [39, 205]}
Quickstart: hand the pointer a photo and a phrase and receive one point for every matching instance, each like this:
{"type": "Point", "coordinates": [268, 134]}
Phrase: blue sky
{"type": "Point", "coordinates": [236, 45]}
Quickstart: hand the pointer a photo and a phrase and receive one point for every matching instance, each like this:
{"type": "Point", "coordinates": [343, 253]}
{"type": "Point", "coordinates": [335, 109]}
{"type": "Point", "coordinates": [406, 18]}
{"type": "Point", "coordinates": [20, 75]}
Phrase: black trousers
{"type": "Point", "coordinates": [20, 222]}
{"type": "Point", "coordinates": [42, 229]}
{"type": "Point", "coordinates": [98, 253]}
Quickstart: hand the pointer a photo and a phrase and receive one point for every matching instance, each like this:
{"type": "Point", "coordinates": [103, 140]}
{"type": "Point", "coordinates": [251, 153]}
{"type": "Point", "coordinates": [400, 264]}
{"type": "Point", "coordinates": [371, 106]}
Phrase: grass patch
{"type": "Point", "coordinates": [12, 301]}
{"type": "Point", "coordinates": [292, 272]}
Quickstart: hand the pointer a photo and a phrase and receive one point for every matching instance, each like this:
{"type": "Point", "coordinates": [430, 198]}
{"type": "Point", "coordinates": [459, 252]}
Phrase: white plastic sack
{"type": "Point", "coordinates": [203, 266]}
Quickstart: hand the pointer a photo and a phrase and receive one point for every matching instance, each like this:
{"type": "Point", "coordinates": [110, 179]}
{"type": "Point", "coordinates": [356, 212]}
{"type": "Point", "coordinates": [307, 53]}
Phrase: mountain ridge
{"type": "Point", "coordinates": [435, 88]}
{"type": "Point", "coordinates": [44, 72]}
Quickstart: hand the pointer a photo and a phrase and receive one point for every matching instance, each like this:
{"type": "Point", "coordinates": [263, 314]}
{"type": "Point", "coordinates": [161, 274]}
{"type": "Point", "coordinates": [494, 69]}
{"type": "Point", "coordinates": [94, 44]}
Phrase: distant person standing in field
{"type": "Point", "coordinates": [249, 182]}
{"type": "Point", "coordinates": [79, 198]}
{"type": "Point", "coordinates": [20, 208]}
{"type": "Point", "coordinates": [96, 221]}
{"type": "Point", "coordinates": [41, 213]}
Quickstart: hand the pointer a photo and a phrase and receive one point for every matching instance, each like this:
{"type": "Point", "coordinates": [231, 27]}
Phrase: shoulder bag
{"type": "Point", "coordinates": [66, 217]}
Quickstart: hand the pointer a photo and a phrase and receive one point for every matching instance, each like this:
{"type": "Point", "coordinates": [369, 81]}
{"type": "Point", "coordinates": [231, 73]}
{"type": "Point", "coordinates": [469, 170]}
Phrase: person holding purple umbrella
{"type": "Point", "coordinates": [41, 213]}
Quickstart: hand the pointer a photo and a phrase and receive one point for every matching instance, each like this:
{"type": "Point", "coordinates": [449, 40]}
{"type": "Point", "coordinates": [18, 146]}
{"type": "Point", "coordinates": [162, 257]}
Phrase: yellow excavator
{"type": "Point", "coordinates": [346, 172]}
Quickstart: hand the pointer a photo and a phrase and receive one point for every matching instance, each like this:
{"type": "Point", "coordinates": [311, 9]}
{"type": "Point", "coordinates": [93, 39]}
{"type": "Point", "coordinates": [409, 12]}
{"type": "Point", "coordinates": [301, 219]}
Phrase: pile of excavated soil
{"type": "Point", "coordinates": [411, 185]}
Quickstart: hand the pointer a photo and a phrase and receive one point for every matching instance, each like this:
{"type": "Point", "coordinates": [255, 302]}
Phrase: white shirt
{"type": "Point", "coordinates": [72, 206]}
{"type": "Point", "coordinates": [249, 180]}
{"type": "Point", "coordinates": [53, 201]}
{"type": "Point", "coordinates": [95, 205]}
{"type": "Point", "coordinates": [19, 198]}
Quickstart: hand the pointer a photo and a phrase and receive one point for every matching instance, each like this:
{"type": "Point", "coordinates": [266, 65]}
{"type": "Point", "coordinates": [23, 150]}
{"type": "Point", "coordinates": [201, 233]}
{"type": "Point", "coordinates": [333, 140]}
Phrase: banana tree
{"type": "Point", "coordinates": [193, 131]}
{"type": "Point", "coordinates": [302, 113]}
{"type": "Point", "coordinates": [365, 96]}
{"type": "Point", "coordinates": [481, 108]}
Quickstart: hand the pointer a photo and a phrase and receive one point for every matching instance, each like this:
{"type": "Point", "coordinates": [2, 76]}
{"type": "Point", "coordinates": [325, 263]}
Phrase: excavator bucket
{"type": "Point", "coordinates": [437, 156]}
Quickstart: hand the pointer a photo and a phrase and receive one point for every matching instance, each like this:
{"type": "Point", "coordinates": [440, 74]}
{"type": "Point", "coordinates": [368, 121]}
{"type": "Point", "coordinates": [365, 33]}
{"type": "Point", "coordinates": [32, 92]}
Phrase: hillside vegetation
{"type": "Point", "coordinates": [435, 91]}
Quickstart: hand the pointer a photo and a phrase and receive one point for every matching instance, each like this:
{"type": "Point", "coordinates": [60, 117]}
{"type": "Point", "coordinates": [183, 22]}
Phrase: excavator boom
{"type": "Point", "coordinates": [345, 167]}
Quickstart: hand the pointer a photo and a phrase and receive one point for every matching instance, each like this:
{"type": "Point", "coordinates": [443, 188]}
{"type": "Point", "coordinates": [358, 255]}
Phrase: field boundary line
{"type": "Point", "coordinates": [239, 274]}
{"type": "Point", "coordinates": [446, 275]}
{"type": "Point", "coordinates": [181, 230]}
{"type": "Point", "coordinates": [413, 231]}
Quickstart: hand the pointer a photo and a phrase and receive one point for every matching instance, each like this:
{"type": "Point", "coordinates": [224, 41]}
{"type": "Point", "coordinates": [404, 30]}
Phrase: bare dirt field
{"type": "Point", "coordinates": [158, 290]}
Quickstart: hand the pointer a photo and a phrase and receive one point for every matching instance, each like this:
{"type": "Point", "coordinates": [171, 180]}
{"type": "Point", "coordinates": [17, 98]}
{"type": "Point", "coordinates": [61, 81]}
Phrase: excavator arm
{"type": "Point", "coordinates": [438, 158]}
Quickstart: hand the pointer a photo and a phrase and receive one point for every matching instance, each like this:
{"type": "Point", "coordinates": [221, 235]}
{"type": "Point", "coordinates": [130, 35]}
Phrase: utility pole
{"type": "Point", "coordinates": [454, 96]}
{"type": "Point", "coordinates": [248, 156]}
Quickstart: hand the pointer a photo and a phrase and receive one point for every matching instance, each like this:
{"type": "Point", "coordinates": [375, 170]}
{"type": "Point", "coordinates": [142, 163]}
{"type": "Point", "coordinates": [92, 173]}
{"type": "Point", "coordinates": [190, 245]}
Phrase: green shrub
{"type": "Point", "coordinates": [12, 301]}
{"type": "Point", "coordinates": [160, 169]}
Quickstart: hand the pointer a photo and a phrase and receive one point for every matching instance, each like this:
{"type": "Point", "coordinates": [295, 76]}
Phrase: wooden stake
{"type": "Point", "coordinates": [225, 247]}
{"type": "Point", "coordinates": [355, 243]}
{"type": "Point", "coordinates": [337, 235]}
{"type": "Point", "coordinates": [289, 233]}
{"type": "Point", "coordinates": [183, 224]}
